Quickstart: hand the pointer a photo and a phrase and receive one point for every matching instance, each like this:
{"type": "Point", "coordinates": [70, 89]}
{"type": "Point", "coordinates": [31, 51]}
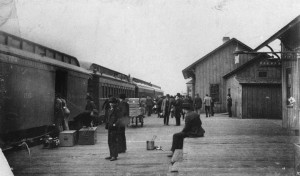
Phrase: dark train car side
{"type": "Point", "coordinates": [144, 89]}
{"type": "Point", "coordinates": [30, 76]}
{"type": "Point", "coordinates": [105, 82]}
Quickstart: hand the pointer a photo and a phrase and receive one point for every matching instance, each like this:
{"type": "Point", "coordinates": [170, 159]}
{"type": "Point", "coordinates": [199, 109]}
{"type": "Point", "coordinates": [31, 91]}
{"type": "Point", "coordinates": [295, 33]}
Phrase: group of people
{"type": "Point", "coordinates": [208, 102]}
{"type": "Point", "coordinates": [193, 123]}
{"type": "Point", "coordinates": [117, 116]}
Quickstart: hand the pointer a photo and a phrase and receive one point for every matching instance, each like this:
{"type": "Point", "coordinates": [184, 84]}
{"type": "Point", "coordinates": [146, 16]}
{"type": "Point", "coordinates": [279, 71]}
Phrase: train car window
{"type": "Point", "coordinates": [2, 39]}
{"type": "Point", "coordinates": [40, 50]}
{"type": "Point", "coordinates": [115, 92]}
{"type": "Point", "coordinates": [73, 62]}
{"type": "Point", "coordinates": [102, 87]}
{"type": "Point", "coordinates": [14, 42]}
{"type": "Point", "coordinates": [106, 91]}
{"type": "Point", "coordinates": [67, 59]}
{"type": "Point", "coordinates": [58, 56]}
{"type": "Point", "coordinates": [49, 53]}
{"type": "Point", "coordinates": [28, 46]}
{"type": "Point", "coordinates": [110, 90]}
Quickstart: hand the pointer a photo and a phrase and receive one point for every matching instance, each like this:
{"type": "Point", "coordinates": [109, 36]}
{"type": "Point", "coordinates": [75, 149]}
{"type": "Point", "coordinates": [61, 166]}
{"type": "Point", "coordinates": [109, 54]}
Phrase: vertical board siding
{"type": "Point", "coordinates": [257, 105]}
{"type": "Point", "coordinates": [211, 71]}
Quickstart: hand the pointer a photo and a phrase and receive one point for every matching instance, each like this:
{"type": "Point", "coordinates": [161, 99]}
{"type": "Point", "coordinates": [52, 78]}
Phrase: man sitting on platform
{"type": "Point", "coordinates": [192, 128]}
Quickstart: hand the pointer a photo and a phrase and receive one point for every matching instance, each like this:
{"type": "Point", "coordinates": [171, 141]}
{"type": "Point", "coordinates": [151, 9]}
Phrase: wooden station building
{"type": "Point", "coordinates": [207, 72]}
{"type": "Point", "coordinates": [253, 81]}
{"type": "Point", "coordinates": [289, 36]}
{"type": "Point", "coordinates": [255, 88]}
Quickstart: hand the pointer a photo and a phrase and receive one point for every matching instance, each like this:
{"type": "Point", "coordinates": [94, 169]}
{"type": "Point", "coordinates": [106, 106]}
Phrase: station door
{"type": "Point", "coordinates": [261, 102]}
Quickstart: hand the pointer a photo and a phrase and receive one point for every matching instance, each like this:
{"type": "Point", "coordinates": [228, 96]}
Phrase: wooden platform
{"type": "Point", "coordinates": [230, 147]}
{"type": "Point", "coordinates": [265, 152]}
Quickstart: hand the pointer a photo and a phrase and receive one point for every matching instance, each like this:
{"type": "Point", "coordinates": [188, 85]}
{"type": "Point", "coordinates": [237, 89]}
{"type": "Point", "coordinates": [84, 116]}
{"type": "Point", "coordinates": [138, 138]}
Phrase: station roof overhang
{"type": "Point", "coordinates": [289, 35]}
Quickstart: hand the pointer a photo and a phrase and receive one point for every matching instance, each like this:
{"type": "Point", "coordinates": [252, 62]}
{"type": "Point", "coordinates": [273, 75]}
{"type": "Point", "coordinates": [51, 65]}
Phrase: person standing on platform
{"type": "Point", "coordinates": [66, 114]}
{"type": "Point", "coordinates": [106, 107]}
{"type": "Point", "coordinates": [212, 105]}
{"type": "Point", "coordinates": [58, 115]}
{"type": "Point", "coordinates": [229, 104]}
{"type": "Point", "coordinates": [90, 104]}
{"type": "Point", "coordinates": [114, 114]}
{"type": "Point", "coordinates": [124, 107]}
{"type": "Point", "coordinates": [197, 104]}
{"type": "Point", "coordinates": [178, 108]}
{"type": "Point", "coordinates": [159, 103]}
{"type": "Point", "coordinates": [165, 108]}
{"type": "Point", "coordinates": [207, 103]}
{"type": "Point", "coordinates": [149, 105]}
{"type": "Point", "coordinates": [192, 128]}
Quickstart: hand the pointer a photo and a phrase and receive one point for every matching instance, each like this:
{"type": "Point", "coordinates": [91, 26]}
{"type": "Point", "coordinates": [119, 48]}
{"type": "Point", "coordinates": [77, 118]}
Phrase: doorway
{"type": "Point", "coordinates": [61, 80]}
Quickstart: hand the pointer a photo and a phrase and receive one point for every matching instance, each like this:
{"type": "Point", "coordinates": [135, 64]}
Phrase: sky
{"type": "Point", "coordinates": [153, 40]}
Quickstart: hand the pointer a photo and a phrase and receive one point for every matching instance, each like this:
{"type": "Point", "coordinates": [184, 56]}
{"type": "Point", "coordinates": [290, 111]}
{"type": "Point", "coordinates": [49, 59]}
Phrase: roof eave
{"type": "Point", "coordinates": [213, 51]}
{"type": "Point", "coordinates": [278, 34]}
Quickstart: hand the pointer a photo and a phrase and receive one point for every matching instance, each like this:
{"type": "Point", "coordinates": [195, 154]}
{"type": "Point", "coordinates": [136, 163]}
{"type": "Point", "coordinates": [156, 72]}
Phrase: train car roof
{"type": "Point", "coordinates": [142, 82]}
{"type": "Point", "coordinates": [158, 90]}
{"type": "Point", "coordinates": [38, 58]}
{"type": "Point", "coordinates": [100, 70]}
{"type": "Point", "coordinates": [139, 85]}
{"type": "Point", "coordinates": [23, 44]}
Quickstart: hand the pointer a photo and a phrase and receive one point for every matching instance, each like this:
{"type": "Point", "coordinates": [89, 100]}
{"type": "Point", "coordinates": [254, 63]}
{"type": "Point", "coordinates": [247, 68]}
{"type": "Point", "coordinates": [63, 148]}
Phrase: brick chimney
{"type": "Point", "coordinates": [226, 39]}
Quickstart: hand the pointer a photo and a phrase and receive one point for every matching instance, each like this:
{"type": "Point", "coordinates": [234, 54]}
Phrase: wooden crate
{"type": "Point", "coordinates": [87, 136]}
{"type": "Point", "coordinates": [68, 138]}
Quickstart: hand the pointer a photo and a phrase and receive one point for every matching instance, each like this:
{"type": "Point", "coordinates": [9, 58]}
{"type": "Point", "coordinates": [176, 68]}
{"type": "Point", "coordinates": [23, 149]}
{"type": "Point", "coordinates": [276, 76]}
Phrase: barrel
{"type": "Point", "coordinates": [150, 145]}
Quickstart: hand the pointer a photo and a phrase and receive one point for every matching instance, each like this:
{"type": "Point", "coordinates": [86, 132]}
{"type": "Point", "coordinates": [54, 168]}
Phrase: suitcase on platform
{"type": "Point", "coordinates": [68, 138]}
{"type": "Point", "coordinates": [87, 136]}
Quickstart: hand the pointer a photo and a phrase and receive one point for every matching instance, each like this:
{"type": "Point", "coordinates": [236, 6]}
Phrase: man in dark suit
{"type": "Point", "coordinates": [178, 108]}
{"type": "Point", "coordinates": [124, 107]}
{"type": "Point", "coordinates": [114, 114]}
{"type": "Point", "coordinates": [229, 104]}
{"type": "Point", "coordinates": [192, 128]}
{"type": "Point", "coordinates": [166, 108]}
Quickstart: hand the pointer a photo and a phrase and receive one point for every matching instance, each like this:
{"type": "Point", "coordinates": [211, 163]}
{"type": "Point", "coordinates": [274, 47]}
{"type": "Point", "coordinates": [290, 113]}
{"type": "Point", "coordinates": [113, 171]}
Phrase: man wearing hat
{"type": "Point", "coordinates": [166, 108]}
{"type": "Point", "coordinates": [178, 108]}
{"type": "Point", "coordinates": [192, 128]}
{"type": "Point", "coordinates": [124, 107]}
{"type": "Point", "coordinates": [114, 114]}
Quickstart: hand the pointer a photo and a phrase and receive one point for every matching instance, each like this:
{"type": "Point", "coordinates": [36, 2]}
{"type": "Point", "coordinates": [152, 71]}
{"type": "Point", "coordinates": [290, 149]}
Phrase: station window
{"type": "Point", "coordinates": [214, 92]}
{"type": "Point", "coordinates": [262, 74]}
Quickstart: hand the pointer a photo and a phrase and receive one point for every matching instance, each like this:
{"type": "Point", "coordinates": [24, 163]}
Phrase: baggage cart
{"type": "Point", "coordinates": [136, 112]}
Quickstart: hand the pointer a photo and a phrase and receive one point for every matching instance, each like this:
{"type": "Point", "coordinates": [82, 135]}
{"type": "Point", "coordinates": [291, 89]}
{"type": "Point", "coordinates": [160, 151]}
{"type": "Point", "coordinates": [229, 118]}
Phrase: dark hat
{"type": "Point", "coordinates": [122, 96]}
{"type": "Point", "coordinates": [178, 94]}
{"type": "Point", "coordinates": [167, 95]}
{"type": "Point", "coordinates": [187, 106]}
{"type": "Point", "coordinates": [112, 100]}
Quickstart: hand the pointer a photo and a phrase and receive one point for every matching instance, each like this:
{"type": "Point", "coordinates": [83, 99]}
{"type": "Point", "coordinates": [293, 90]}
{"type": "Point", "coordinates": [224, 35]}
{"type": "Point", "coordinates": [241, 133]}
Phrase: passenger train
{"type": "Point", "coordinates": [31, 75]}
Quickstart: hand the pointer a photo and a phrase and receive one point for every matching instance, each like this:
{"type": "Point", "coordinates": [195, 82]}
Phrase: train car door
{"type": "Point", "coordinates": [61, 82]}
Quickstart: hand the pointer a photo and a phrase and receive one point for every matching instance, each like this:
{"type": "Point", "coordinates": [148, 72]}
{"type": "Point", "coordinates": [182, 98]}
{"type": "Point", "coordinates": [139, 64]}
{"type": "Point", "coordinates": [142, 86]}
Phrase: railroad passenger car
{"type": "Point", "coordinates": [143, 88]}
{"type": "Point", "coordinates": [30, 77]}
{"type": "Point", "coordinates": [157, 91]}
{"type": "Point", "coordinates": [105, 82]}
